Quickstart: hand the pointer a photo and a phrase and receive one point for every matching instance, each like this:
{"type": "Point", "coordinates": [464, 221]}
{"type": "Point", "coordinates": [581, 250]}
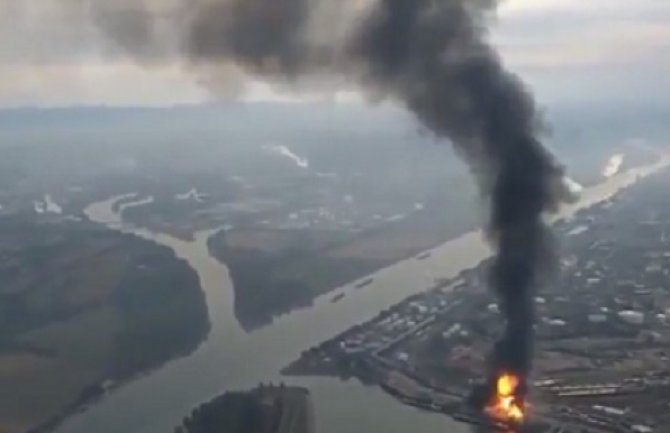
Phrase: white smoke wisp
{"type": "Point", "coordinates": [51, 206]}
{"type": "Point", "coordinates": [614, 165]}
{"type": "Point", "coordinates": [288, 153]}
{"type": "Point", "coordinates": [47, 206]}
{"type": "Point", "coordinates": [192, 194]}
{"type": "Point", "coordinates": [38, 207]}
{"type": "Point", "coordinates": [573, 187]}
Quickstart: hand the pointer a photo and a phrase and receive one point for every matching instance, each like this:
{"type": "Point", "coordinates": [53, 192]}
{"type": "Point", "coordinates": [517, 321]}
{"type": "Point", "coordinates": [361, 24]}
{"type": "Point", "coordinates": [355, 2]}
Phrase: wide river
{"type": "Point", "coordinates": [231, 358]}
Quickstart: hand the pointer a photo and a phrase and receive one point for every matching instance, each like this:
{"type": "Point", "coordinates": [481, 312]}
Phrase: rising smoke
{"type": "Point", "coordinates": [433, 57]}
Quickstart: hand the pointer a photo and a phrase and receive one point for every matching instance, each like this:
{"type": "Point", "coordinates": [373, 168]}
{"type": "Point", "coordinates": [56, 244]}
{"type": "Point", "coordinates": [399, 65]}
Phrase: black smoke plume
{"type": "Point", "coordinates": [433, 57]}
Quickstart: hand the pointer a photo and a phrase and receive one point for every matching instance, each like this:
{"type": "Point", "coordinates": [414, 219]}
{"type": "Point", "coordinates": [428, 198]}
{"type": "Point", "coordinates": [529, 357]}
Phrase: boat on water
{"type": "Point", "coordinates": [365, 282]}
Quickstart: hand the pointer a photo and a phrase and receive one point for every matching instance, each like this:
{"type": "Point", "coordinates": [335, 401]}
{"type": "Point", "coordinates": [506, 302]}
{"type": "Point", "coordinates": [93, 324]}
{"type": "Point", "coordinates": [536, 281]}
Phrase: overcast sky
{"type": "Point", "coordinates": [585, 50]}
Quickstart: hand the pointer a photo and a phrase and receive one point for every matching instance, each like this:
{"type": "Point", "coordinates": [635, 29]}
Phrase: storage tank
{"type": "Point", "coordinates": [632, 317]}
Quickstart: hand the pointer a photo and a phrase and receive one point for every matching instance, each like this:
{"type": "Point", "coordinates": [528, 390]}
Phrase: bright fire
{"type": "Point", "coordinates": [505, 405]}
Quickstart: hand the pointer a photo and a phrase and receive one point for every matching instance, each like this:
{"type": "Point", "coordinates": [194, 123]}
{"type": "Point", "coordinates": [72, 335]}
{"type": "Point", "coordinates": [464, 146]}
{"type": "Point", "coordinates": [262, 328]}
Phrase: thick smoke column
{"type": "Point", "coordinates": [433, 57]}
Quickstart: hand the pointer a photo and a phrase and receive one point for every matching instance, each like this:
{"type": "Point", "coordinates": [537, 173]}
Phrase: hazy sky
{"type": "Point", "coordinates": [567, 49]}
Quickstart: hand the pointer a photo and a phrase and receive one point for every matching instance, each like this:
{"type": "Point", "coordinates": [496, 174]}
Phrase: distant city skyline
{"type": "Point", "coordinates": [566, 49]}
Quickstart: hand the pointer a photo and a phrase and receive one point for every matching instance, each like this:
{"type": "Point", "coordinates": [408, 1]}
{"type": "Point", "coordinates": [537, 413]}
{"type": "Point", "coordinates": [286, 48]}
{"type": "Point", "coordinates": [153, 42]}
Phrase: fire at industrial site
{"type": "Point", "coordinates": [506, 405]}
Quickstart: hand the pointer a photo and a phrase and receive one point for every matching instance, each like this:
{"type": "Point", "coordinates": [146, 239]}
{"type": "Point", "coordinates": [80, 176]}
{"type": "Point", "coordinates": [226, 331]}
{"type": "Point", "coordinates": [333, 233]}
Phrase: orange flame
{"type": "Point", "coordinates": [506, 406]}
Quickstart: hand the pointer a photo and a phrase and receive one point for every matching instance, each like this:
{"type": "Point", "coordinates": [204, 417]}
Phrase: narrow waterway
{"type": "Point", "coordinates": [230, 358]}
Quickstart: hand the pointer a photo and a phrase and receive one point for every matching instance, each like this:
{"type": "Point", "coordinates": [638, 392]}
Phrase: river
{"type": "Point", "coordinates": [232, 359]}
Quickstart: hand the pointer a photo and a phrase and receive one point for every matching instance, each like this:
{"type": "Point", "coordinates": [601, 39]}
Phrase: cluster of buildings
{"type": "Point", "coordinates": [410, 319]}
